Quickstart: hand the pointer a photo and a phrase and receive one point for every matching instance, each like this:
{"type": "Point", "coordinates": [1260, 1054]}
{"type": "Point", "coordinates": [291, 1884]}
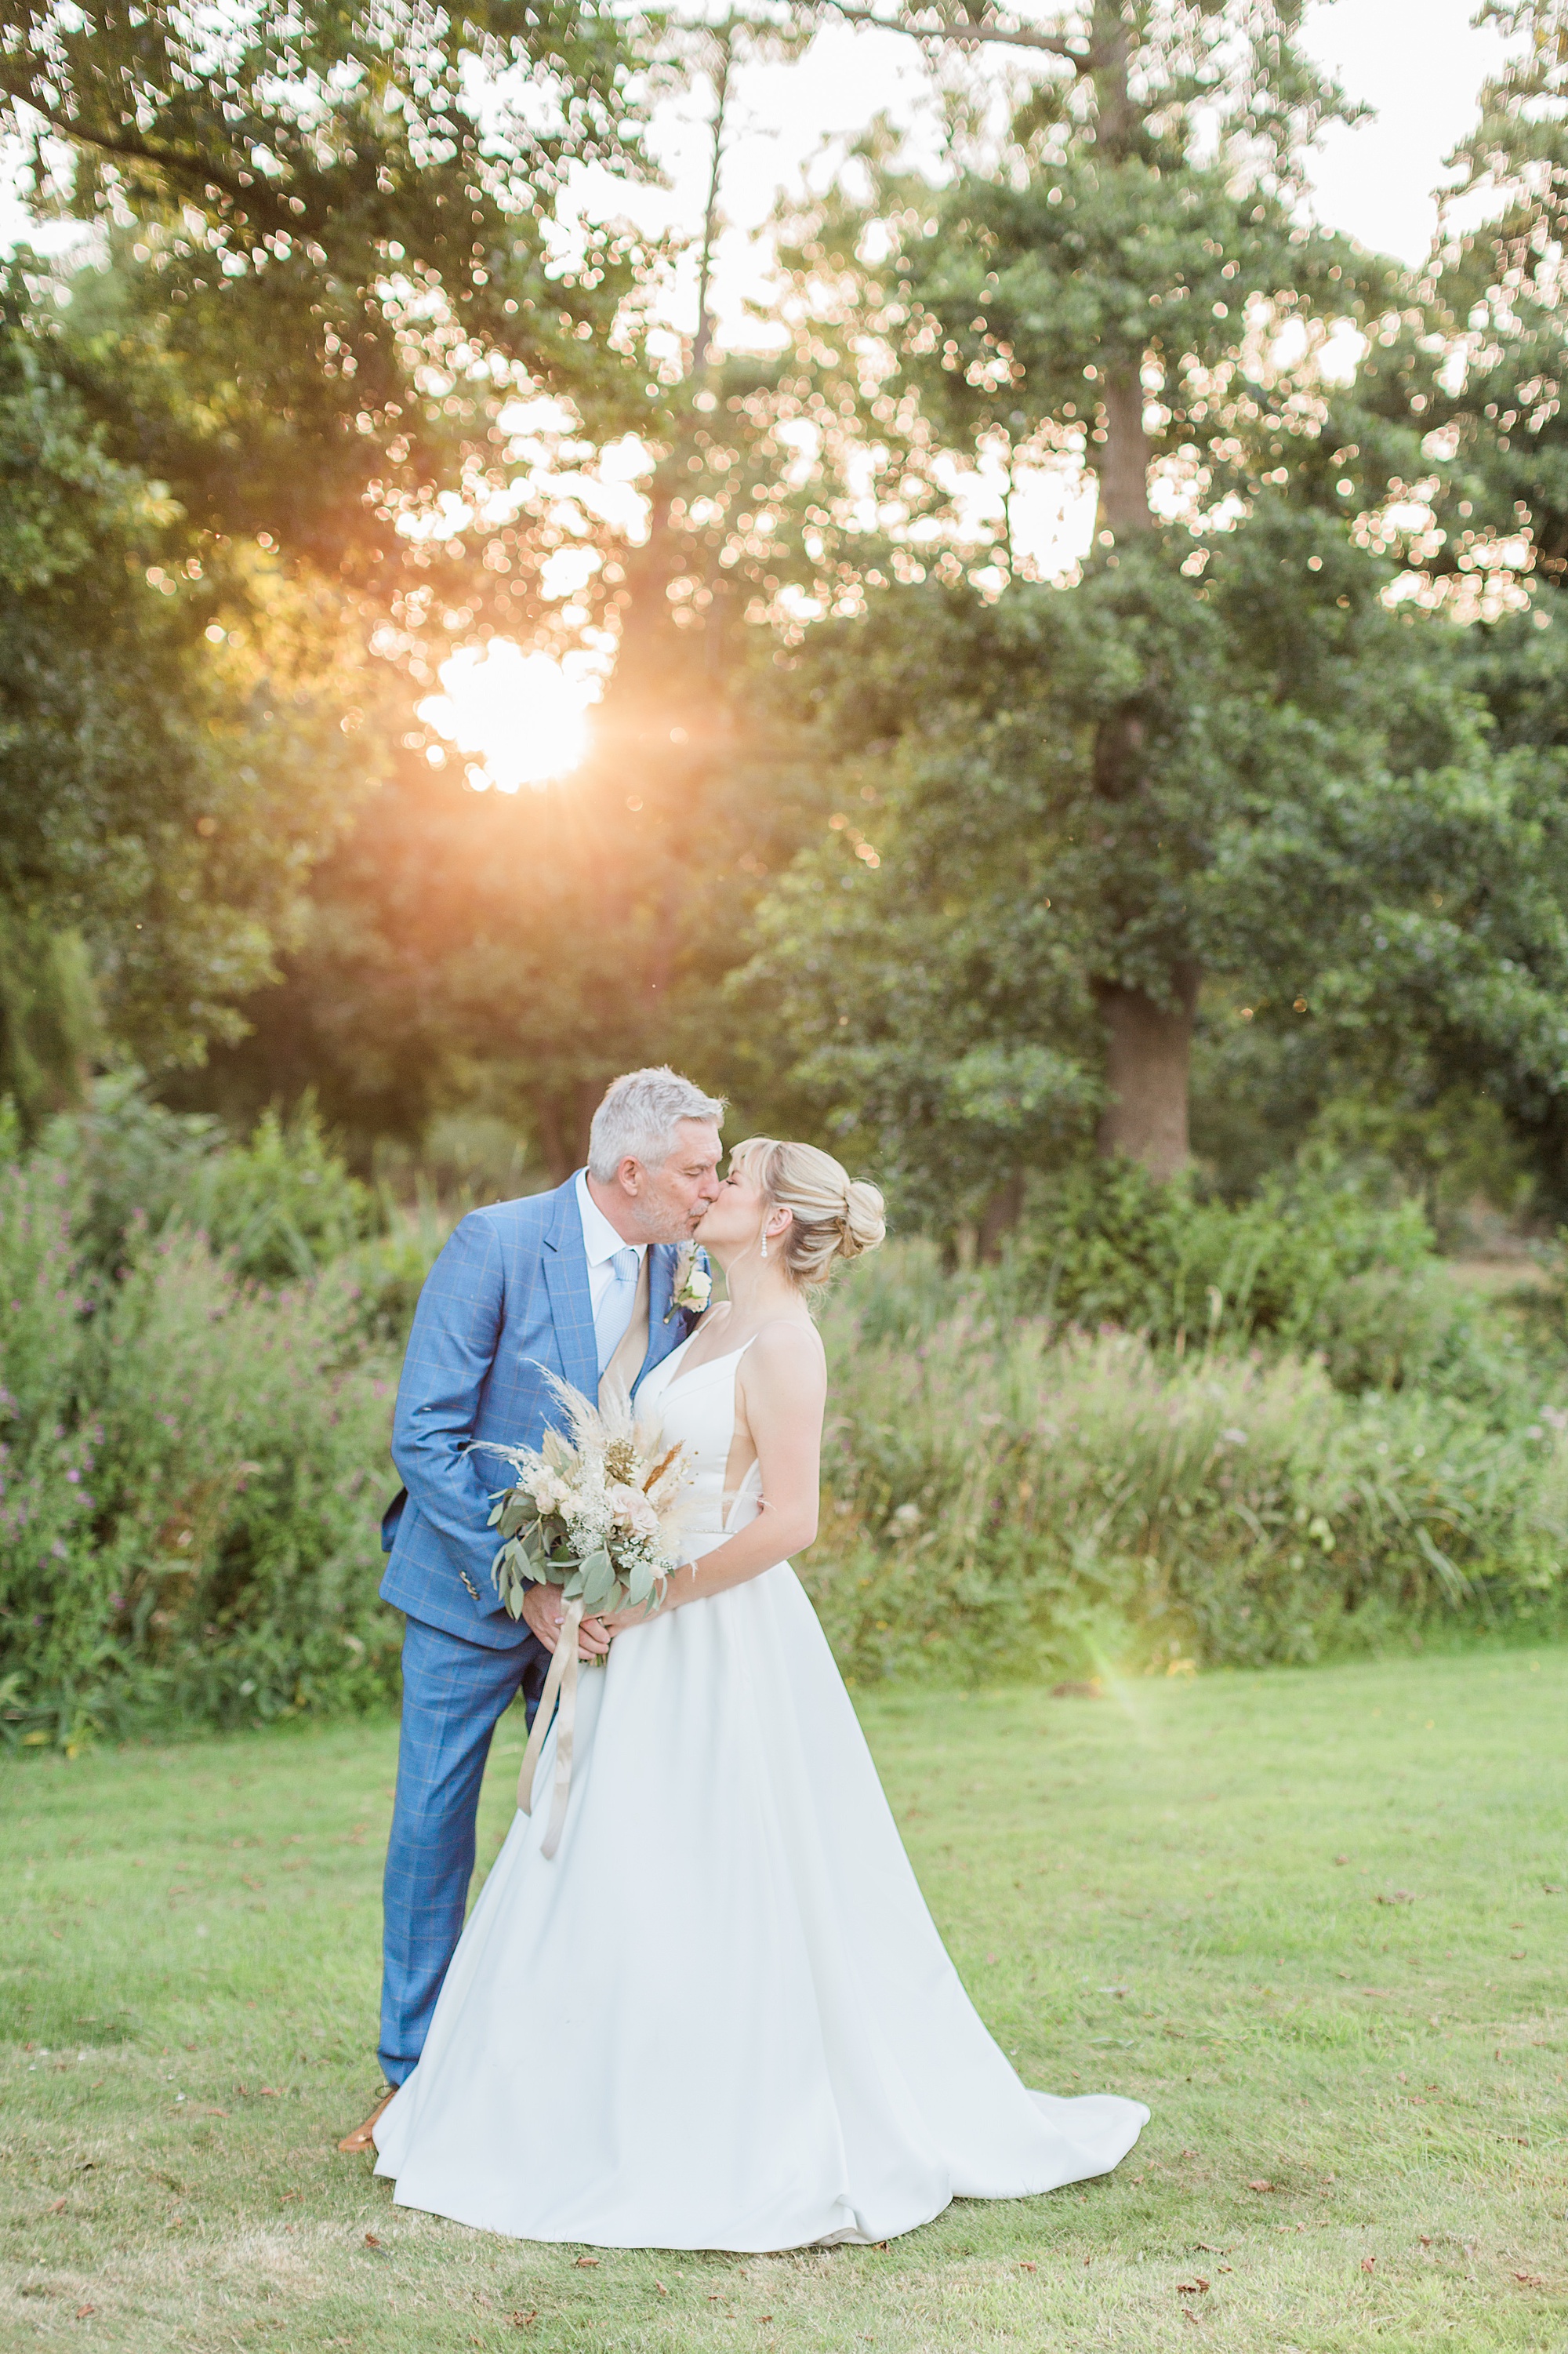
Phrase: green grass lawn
{"type": "Point", "coordinates": [1317, 1920]}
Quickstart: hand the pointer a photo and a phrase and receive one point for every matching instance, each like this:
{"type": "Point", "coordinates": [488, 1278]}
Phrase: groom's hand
{"type": "Point", "coordinates": [543, 1611]}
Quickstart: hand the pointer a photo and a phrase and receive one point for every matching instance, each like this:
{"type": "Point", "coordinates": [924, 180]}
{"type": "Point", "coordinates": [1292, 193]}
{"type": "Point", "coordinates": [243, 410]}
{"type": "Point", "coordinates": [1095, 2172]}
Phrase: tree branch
{"type": "Point", "coordinates": [256, 196]}
{"type": "Point", "coordinates": [966, 36]}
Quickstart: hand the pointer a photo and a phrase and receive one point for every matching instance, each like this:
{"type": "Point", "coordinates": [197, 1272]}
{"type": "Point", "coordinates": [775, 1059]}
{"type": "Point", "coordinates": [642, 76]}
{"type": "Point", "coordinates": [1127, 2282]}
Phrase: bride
{"type": "Point", "coordinates": [721, 2016]}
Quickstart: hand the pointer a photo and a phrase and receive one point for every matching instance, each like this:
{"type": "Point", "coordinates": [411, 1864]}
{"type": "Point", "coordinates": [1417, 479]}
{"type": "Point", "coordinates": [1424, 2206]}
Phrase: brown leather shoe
{"type": "Point", "coordinates": [364, 2136]}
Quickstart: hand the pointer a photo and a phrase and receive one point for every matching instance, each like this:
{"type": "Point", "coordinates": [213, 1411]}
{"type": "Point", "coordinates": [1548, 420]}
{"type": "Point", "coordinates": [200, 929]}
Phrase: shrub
{"type": "Point", "coordinates": [131, 1161]}
{"type": "Point", "coordinates": [281, 1205]}
{"type": "Point", "coordinates": [191, 1473]}
{"type": "Point", "coordinates": [193, 1463]}
{"type": "Point", "coordinates": [995, 1503]}
{"type": "Point", "coordinates": [1107, 1244]}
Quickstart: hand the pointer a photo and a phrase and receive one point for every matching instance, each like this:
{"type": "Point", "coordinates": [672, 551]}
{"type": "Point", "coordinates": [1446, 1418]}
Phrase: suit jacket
{"type": "Point", "coordinates": [507, 1298]}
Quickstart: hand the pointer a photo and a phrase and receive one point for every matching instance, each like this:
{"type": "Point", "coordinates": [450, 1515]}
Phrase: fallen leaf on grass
{"type": "Point", "coordinates": [57, 2207]}
{"type": "Point", "coordinates": [1023, 2264]}
{"type": "Point", "coordinates": [1531, 2280]}
{"type": "Point", "coordinates": [1368, 2262]}
{"type": "Point", "coordinates": [291, 2194]}
{"type": "Point", "coordinates": [519, 2320]}
{"type": "Point", "coordinates": [271, 2093]}
{"type": "Point", "coordinates": [1193, 2287]}
{"type": "Point", "coordinates": [660, 2288]}
{"type": "Point", "coordinates": [371, 2241]}
{"type": "Point", "coordinates": [584, 2261]}
{"type": "Point", "coordinates": [83, 2311]}
{"type": "Point", "coordinates": [1397, 1896]}
{"type": "Point", "coordinates": [1224, 2268]}
{"type": "Point", "coordinates": [1260, 2185]}
{"type": "Point", "coordinates": [207, 2109]}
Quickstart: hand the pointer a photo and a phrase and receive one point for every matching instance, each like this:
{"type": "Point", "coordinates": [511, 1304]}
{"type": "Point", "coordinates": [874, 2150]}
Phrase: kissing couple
{"type": "Point", "coordinates": [721, 2016]}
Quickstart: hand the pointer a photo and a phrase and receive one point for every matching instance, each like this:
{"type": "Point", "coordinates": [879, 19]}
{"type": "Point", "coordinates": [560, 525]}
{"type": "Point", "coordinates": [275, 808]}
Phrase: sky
{"type": "Point", "coordinates": [1419, 63]}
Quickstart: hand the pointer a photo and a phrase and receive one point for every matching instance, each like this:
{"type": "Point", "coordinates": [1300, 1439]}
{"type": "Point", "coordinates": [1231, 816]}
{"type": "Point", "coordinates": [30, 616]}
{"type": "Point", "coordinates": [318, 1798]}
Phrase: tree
{"type": "Point", "coordinates": [261, 426]}
{"type": "Point", "coordinates": [1125, 283]}
{"type": "Point", "coordinates": [515, 952]}
{"type": "Point", "coordinates": [346, 253]}
{"type": "Point", "coordinates": [165, 775]}
{"type": "Point", "coordinates": [1375, 874]}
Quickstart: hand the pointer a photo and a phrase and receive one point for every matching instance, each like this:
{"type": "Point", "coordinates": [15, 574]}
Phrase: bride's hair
{"type": "Point", "coordinates": [832, 1214]}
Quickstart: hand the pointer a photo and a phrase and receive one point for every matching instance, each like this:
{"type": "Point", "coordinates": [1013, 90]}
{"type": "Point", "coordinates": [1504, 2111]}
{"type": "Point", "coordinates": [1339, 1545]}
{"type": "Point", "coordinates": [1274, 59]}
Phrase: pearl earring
{"type": "Point", "coordinates": [765, 1242]}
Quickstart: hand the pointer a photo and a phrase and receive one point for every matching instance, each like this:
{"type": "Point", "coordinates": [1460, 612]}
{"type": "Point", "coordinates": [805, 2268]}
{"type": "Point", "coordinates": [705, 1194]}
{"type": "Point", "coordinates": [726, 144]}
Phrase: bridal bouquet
{"type": "Point", "coordinates": [595, 1510]}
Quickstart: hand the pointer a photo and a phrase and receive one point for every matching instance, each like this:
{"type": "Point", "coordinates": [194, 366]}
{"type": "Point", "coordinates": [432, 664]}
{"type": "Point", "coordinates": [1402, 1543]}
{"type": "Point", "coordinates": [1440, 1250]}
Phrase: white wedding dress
{"type": "Point", "coordinates": [721, 2016]}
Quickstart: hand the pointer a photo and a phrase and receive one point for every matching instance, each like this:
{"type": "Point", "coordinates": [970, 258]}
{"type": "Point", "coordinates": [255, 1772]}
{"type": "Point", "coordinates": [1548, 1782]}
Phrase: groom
{"type": "Point", "coordinates": [578, 1282]}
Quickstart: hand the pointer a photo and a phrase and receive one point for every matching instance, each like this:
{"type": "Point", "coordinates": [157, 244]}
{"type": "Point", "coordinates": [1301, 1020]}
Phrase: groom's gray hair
{"type": "Point", "coordinates": [639, 1117]}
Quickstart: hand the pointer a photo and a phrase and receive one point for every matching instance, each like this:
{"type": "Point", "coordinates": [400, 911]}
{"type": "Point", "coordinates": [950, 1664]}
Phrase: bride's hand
{"type": "Point", "coordinates": [542, 1613]}
{"type": "Point", "coordinates": [620, 1622]}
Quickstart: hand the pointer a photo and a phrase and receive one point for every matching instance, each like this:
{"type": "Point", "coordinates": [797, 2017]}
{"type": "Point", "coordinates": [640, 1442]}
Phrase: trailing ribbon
{"type": "Point", "coordinates": [560, 1685]}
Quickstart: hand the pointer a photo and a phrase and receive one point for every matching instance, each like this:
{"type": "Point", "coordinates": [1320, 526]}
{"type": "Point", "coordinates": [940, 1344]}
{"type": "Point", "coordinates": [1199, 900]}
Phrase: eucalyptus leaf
{"type": "Point", "coordinates": [599, 1580]}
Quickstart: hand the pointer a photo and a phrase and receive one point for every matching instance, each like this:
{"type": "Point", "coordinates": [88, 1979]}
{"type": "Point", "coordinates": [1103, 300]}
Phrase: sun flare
{"type": "Point", "coordinates": [520, 717]}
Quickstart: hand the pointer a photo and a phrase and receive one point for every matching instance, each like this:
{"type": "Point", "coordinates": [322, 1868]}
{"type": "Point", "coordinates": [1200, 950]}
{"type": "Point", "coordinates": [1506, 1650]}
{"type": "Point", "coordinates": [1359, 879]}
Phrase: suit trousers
{"type": "Point", "coordinates": [454, 1695]}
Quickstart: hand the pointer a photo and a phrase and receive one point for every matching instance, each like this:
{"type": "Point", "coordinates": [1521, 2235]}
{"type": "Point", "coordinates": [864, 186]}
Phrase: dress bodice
{"type": "Point", "coordinates": [698, 1409]}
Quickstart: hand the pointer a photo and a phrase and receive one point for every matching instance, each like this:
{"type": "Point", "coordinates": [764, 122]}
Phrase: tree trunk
{"type": "Point", "coordinates": [1124, 467]}
{"type": "Point", "coordinates": [1001, 1216]}
{"type": "Point", "coordinates": [1151, 1050]}
{"type": "Point", "coordinates": [1150, 1044]}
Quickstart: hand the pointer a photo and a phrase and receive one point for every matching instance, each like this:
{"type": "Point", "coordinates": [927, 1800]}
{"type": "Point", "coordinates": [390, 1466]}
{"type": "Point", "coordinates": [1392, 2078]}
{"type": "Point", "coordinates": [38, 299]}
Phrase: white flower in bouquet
{"type": "Point", "coordinates": [597, 1511]}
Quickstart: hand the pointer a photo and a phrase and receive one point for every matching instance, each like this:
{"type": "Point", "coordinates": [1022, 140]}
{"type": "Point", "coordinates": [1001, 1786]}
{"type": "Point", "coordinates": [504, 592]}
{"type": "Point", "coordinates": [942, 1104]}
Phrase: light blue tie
{"type": "Point", "coordinates": [614, 1311]}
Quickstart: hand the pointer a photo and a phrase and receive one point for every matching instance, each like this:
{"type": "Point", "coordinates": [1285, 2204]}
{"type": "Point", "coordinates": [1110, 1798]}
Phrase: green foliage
{"type": "Point", "coordinates": [191, 1467]}
{"type": "Point", "coordinates": [426, 977]}
{"type": "Point", "coordinates": [134, 1161]}
{"type": "Point", "coordinates": [1107, 1244]}
{"type": "Point", "coordinates": [278, 1207]}
{"type": "Point", "coordinates": [192, 1473]}
{"type": "Point", "coordinates": [283, 1205]}
{"type": "Point", "coordinates": [1322, 825]}
{"type": "Point", "coordinates": [166, 776]}
{"type": "Point", "coordinates": [49, 1014]}
{"type": "Point", "coordinates": [1000, 1505]}
{"type": "Point", "coordinates": [330, 210]}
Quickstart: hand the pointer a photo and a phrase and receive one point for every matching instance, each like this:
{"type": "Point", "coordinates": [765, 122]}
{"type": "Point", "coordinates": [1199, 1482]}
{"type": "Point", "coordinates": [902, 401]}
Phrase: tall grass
{"type": "Point", "coordinates": [191, 1471]}
{"type": "Point", "coordinates": [192, 1442]}
{"type": "Point", "coordinates": [1002, 1498]}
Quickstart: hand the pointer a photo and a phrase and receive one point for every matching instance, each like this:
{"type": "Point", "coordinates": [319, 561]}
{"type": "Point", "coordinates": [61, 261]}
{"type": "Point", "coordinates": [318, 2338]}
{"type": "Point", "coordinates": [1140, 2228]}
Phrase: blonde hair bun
{"type": "Point", "coordinates": [833, 1215]}
{"type": "Point", "coordinates": [864, 1226]}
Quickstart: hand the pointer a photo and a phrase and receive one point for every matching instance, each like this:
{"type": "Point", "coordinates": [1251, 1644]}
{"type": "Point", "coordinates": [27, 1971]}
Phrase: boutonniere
{"type": "Point", "coordinates": [693, 1283]}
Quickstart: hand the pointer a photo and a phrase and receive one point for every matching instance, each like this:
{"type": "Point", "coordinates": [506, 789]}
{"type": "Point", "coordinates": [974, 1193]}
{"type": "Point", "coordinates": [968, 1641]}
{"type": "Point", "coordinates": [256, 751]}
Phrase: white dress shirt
{"type": "Point", "coordinates": [601, 1242]}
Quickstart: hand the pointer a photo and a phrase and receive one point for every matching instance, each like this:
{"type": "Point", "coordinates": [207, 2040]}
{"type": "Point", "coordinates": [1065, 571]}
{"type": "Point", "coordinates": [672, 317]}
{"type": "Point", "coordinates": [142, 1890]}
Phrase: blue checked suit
{"type": "Point", "coordinates": [506, 1301]}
